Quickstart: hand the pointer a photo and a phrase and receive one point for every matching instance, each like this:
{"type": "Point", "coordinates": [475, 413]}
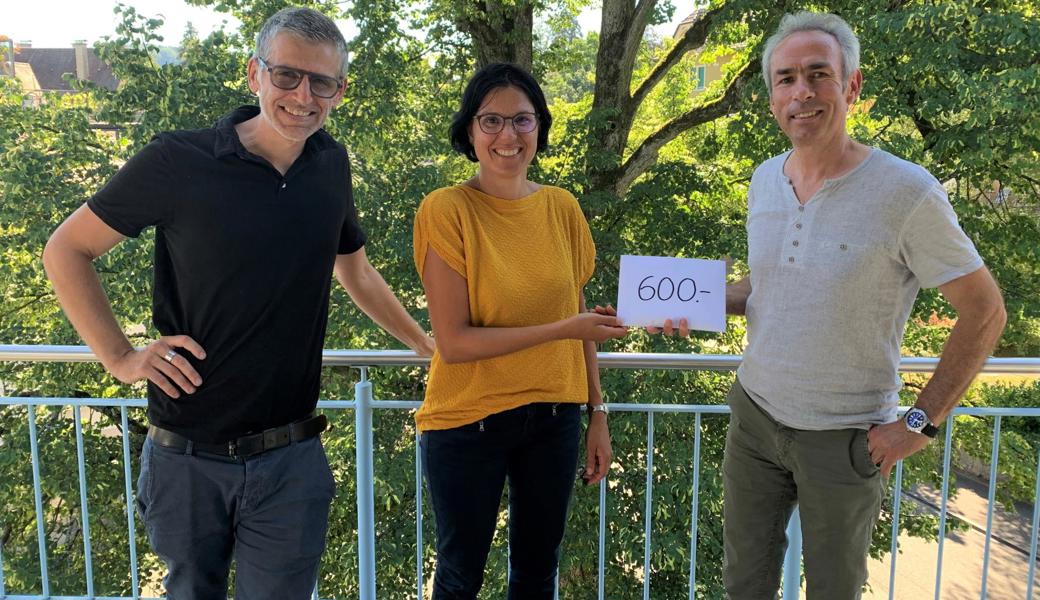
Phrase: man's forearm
{"type": "Point", "coordinates": [81, 296]}
{"type": "Point", "coordinates": [970, 342]}
{"type": "Point", "coordinates": [737, 296]}
{"type": "Point", "coordinates": [373, 296]}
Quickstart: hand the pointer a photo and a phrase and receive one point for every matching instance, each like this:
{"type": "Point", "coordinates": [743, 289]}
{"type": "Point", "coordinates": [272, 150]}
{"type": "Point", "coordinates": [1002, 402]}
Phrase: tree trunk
{"type": "Point", "coordinates": [502, 32]}
{"type": "Point", "coordinates": [499, 32]}
{"type": "Point", "coordinates": [621, 31]}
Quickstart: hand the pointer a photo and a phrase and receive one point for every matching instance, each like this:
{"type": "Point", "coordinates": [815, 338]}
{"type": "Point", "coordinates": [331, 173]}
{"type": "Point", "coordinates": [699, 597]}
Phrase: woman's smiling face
{"type": "Point", "coordinates": [509, 152]}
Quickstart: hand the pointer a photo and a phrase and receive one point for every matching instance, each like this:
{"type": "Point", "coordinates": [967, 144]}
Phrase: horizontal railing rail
{"type": "Point", "coordinates": [607, 360]}
{"type": "Point", "coordinates": [364, 403]}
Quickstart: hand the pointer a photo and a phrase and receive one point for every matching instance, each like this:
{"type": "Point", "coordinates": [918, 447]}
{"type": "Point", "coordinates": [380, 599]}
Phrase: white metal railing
{"type": "Point", "coordinates": [364, 403]}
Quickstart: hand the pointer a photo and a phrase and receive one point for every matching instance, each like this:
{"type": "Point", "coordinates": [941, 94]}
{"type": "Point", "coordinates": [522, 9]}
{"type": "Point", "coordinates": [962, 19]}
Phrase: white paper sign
{"type": "Point", "coordinates": [654, 288]}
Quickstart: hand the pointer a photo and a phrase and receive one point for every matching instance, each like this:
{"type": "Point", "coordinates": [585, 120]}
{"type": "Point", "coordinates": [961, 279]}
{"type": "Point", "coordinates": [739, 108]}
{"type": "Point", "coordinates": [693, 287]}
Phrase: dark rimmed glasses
{"type": "Point", "coordinates": [492, 123]}
{"type": "Point", "coordinates": [288, 78]}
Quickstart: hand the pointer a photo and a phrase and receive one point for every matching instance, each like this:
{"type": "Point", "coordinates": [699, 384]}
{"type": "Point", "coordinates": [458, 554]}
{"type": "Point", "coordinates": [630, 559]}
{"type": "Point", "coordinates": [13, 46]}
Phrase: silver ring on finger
{"type": "Point", "coordinates": [169, 356]}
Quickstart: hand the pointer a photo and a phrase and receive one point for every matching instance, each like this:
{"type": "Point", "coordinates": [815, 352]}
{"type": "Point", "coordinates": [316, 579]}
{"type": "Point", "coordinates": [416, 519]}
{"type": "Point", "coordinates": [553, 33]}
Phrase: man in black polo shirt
{"type": "Point", "coordinates": [252, 217]}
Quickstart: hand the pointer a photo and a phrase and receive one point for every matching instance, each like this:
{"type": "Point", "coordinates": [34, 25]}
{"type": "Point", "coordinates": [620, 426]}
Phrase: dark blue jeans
{"type": "Point", "coordinates": [535, 448]}
{"type": "Point", "coordinates": [269, 511]}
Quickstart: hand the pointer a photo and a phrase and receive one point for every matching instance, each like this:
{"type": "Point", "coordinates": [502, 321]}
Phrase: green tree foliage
{"type": "Point", "coordinates": [659, 169]}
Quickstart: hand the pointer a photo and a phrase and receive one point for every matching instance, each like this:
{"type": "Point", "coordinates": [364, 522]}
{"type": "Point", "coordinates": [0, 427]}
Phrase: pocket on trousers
{"type": "Point", "coordinates": [859, 455]}
{"type": "Point", "coordinates": [739, 404]}
{"type": "Point", "coordinates": [144, 481]}
{"type": "Point", "coordinates": [328, 469]}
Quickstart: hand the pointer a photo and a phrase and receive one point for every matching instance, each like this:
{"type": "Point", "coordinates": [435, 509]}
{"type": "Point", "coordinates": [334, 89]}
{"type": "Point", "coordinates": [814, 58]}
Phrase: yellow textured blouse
{"type": "Point", "coordinates": [525, 262]}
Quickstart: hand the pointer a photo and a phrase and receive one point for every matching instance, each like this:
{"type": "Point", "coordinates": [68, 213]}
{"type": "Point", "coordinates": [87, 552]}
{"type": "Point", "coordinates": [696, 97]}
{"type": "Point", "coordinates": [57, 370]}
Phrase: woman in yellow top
{"type": "Point", "coordinates": [504, 261]}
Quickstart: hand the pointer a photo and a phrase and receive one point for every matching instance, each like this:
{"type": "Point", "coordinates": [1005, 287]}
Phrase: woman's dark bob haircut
{"type": "Point", "coordinates": [491, 77]}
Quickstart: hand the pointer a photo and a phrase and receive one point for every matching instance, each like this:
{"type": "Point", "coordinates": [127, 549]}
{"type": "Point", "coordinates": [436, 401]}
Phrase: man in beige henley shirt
{"type": "Point", "coordinates": [841, 237]}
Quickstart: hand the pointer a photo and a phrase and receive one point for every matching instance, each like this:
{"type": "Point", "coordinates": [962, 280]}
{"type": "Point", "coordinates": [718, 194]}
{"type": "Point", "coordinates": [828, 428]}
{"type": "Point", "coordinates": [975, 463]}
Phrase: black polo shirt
{"type": "Point", "coordinates": [243, 264]}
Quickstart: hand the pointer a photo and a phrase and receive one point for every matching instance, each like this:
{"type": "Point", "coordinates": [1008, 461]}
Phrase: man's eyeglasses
{"type": "Point", "coordinates": [492, 123]}
{"type": "Point", "coordinates": [288, 78]}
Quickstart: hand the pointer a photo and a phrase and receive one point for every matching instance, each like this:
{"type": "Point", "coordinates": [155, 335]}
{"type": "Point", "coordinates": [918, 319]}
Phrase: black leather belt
{"type": "Point", "coordinates": [247, 445]}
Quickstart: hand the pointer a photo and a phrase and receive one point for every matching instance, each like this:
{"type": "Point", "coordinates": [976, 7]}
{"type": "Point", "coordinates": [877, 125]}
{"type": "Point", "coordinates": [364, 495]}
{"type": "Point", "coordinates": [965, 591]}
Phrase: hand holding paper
{"type": "Point", "coordinates": [652, 289]}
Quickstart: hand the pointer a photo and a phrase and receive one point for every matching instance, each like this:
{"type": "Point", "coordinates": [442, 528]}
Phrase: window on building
{"type": "Point", "coordinates": [698, 74]}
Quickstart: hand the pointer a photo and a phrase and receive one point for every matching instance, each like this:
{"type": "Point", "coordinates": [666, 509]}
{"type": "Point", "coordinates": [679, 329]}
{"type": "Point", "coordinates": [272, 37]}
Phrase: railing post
{"type": "Point", "coordinates": [992, 501]}
{"type": "Point", "coordinates": [793, 558]}
{"type": "Point", "coordinates": [897, 507]}
{"type": "Point", "coordinates": [418, 515]}
{"type": "Point", "coordinates": [695, 508]}
{"type": "Point", "coordinates": [601, 563]}
{"type": "Point", "coordinates": [84, 507]}
{"type": "Point", "coordinates": [1032, 537]}
{"type": "Point", "coordinates": [947, 454]}
{"type": "Point", "coordinates": [366, 514]}
{"type": "Point", "coordinates": [648, 512]}
{"type": "Point", "coordinates": [129, 495]}
{"type": "Point", "coordinates": [41, 536]}
{"type": "Point", "coordinates": [3, 593]}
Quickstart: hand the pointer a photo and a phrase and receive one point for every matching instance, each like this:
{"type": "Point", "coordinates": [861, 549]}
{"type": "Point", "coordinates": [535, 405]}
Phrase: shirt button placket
{"type": "Point", "coordinates": [795, 247]}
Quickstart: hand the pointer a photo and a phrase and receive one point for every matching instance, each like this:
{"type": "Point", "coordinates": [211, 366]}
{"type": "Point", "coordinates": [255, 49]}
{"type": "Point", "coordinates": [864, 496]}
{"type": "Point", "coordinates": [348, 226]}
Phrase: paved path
{"type": "Point", "coordinates": [962, 553]}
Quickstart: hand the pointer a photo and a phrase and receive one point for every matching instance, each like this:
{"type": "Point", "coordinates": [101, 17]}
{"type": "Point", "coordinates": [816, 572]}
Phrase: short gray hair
{"type": "Point", "coordinates": [305, 23]}
{"type": "Point", "coordinates": [810, 21]}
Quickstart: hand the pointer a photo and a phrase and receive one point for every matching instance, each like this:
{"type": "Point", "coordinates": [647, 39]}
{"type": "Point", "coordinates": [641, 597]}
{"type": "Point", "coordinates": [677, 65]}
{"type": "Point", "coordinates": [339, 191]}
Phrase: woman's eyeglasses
{"type": "Point", "coordinates": [492, 123]}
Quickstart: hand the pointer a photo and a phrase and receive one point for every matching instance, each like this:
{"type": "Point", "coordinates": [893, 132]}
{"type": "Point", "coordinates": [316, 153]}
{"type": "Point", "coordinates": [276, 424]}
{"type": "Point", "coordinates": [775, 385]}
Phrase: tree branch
{"type": "Point", "coordinates": [643, 7]}
{"type": "Point", "coordinates": [115, 418]}
{"type": "Point", "coordinates": [634, 33]}
{"type": "Point", "coordinates": [31, 300]}
{"type": "Point", "coordinates": [692, 39]}
{"type": "Point", "coordinates": [646, 154]}
{"type": "Point", "coordinates": [59, 132]}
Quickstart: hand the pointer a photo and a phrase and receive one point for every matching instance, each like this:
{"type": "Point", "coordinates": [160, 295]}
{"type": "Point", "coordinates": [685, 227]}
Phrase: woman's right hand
{"type": "Point", "coordinates": [594, 327]}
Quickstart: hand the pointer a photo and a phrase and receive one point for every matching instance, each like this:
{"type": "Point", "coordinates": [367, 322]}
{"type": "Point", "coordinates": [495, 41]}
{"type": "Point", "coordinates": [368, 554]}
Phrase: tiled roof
{"type": "Point", "coordinates": [50, 64]}
{"type": "Point", "coordinates": [688, 22]}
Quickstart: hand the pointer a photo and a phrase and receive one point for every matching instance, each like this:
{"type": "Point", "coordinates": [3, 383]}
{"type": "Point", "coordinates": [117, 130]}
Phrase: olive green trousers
{"type": "Point", "coordinates": [768, 469]}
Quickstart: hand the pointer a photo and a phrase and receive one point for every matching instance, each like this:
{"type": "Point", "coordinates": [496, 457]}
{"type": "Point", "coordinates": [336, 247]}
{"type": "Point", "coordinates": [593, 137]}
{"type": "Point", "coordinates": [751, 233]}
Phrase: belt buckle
{"type": "Point", "coordinates": [233, 448]}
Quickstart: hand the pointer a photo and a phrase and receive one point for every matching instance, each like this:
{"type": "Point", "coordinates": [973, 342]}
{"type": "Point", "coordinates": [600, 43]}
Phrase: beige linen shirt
{"type": "Point", "coordinates": [833, 282]}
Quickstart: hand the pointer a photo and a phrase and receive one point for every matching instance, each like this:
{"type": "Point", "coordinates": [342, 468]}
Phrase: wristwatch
{"type": "Point", "coordinates": [595, 408]}
{"type": "Point", "coordinates": [917, 421]}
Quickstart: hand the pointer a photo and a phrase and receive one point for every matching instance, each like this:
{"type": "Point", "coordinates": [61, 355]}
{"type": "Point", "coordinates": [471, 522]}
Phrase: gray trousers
{"type": "Point", "coordinates": [269, 512]}
{"type": "Point", "coordinates": [768, 469]}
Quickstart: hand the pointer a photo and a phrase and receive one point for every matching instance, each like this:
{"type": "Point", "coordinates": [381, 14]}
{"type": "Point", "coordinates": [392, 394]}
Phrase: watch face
{"type": "Point", "coordinates": [916, 419]}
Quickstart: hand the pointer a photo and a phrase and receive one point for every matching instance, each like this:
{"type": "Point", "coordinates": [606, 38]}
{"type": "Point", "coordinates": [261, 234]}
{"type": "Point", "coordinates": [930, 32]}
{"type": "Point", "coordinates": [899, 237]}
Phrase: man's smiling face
{"type": "Point", "coordinates": [808, 97]}
{"type": "Point", "coordinates": [295, 114]}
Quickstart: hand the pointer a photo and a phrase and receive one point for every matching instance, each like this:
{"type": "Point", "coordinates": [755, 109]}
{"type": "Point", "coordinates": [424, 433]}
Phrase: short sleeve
{"type": "Point", "coordinates": [750, 196]}
{"type": "Point", "coordinates": [932, 244]}
{"type": "Point", "coordinates": [584, 246]}
{"type": "Point", "coordinates": [351, 235]}
{"type": "Point", "coordinates": [438, 226]}
{"type": "Point", "coordinates": [139, 194]}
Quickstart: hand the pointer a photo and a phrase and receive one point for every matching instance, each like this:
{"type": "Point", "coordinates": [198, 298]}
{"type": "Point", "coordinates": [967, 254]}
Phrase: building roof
{"type": "Point", "coordinates": [25, 74]}
{"type": "Point", "coordinates": [688, 22]}
{"type": "Point", "coordinates": [49, 65]}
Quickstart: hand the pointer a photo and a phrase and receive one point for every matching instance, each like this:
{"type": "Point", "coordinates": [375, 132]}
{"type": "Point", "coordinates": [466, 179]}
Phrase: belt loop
{"type": "Point", "coordinates": [189, 448]}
